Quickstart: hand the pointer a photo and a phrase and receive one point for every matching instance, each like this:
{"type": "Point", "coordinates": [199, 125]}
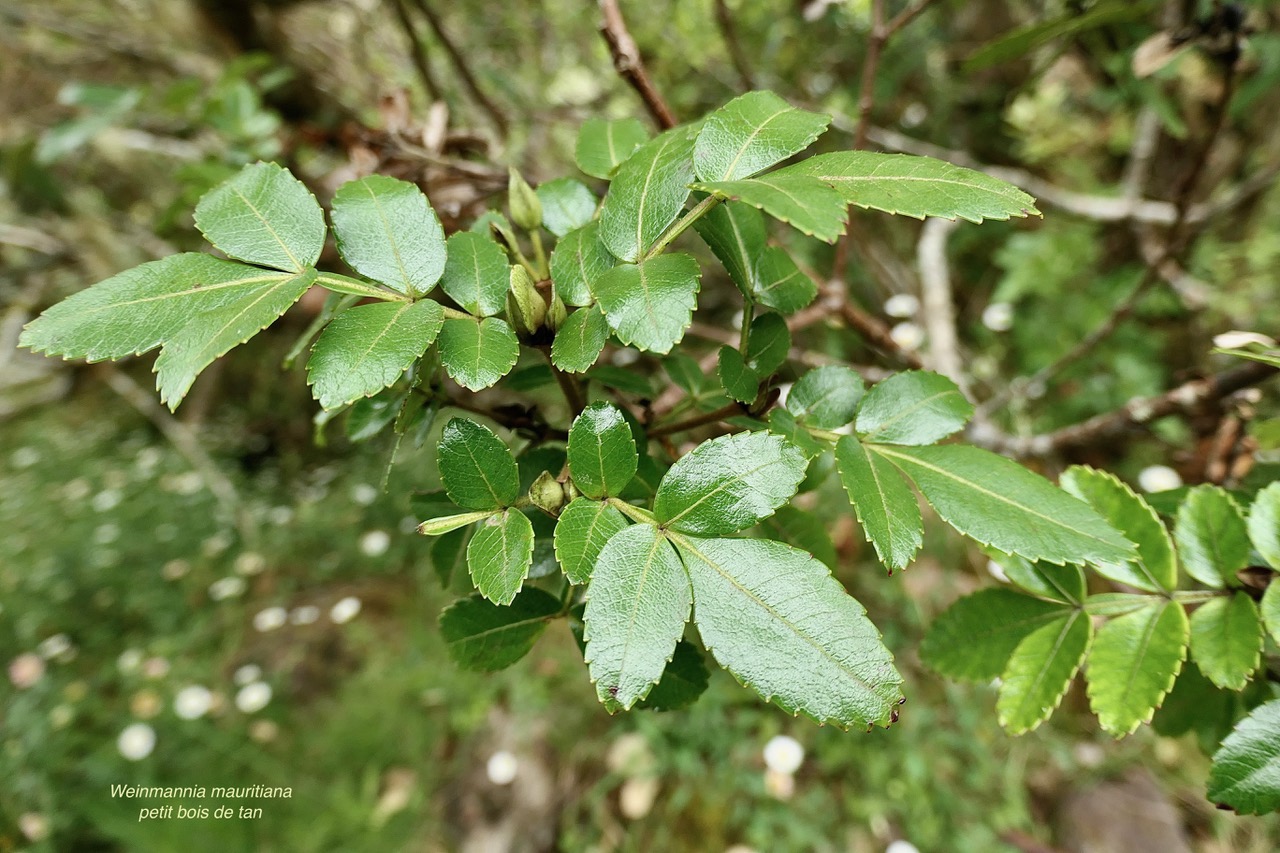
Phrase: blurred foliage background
{"type": "Point", "coordinates": [244, 584]}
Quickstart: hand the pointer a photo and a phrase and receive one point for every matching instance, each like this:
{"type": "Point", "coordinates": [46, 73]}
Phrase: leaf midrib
{"type": "Point", "coordinates": [298, 265]}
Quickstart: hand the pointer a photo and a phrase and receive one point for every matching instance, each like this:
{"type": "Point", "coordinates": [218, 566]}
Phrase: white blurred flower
{"type": "Point", "coordinates": [263, 731]}
{"type": "Point", "coordinates": [107, 499]}
{"type": "Point", "coordinates": [34, 826]}
{"type": "Point", "coordinates": [24, 457]}
{"type": "Point", "coordinates": [175, 569]}
{"type": "Point", "coordinates": [247, 673]}
{"type": "Point", "coordinates": [1088, 754]}
{"type": "Point", "coordinates": [635, 798]}
{"type": "Point", "coordinates": [129, 660]}
{"type": "Point", "coordinates": [136, 741]}
{"type": "Point", "coordinates": [902, 305]}
{"type": "Point", "coordinates": [77, 490]}
{"type": "Point", "coordinates": [364, 494]}
{"type": "Point", "coordinates": [105, 534]}
{"type": "Point", "coordinates": [280, 515]}
{"type": "Point", "coordinates": [780, 786]}
{"type": "Point", "coordinates": [783, 754]}
{"type": "Point", "coordinates": [375, 543]}
{"type": "Point", "coordinates": [307, 614]}
{"type": "Point", "coordinates": [914, 115]}
{"type": "Point", "coordinates": [1158, 478]}
{"type": "Point", "coordinates": [625, 356]}
{"type": "Point", "coordinates": [908, 335]}
{"type": "Point", "coordinates": [501, 768]}
{"type": "Point", "coordinates": [997, 571]}
{"type": "Point", "coordinates": [1239, 340]}
{"type": "Point", "coordinates": [156, 667]}
{"type": "Point", "coordinates": [216, 544]}
{"type": "Point", "coordinates": [900, 846]}
{"type": "Point", "coordinates": [998, 316]}
{"type": "Point", "coordinates": [192, 702]}
{"type": "Point", "coordinates": [148, 458]}
{"type": "Point", "coordinates": [186, 483]}
{"type": "Point", "coordinates": [56, 647]}
{"type": "Point", "coordinates": [228, 587]}
{"type": "Point", "coordinates": [270, 619]}
{"type": "Point", "coordinates": [344, 610]}
{"type": "Point", "coordinates": [253, 697]}
{"type": "Point", "coordinates": [26, 670]}
{"type": "Point", "coordinates": [250, 563]}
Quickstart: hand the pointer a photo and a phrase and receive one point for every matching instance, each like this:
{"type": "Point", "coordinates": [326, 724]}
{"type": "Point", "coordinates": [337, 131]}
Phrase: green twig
{"type": "Point", "coordinates": [682, 224]}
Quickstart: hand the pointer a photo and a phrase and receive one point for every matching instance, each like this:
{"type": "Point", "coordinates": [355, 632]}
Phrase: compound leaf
{"type": "Point", "coordinates": [736, 235]}
{"type": "Point", "coordinates": [476, 274]}
{"type": "Point", "coordinates": [1155, 569]}
{"type": "Point", "coordinates": [1245, 775]}
{"type": "Point", "coordinates": [580, 340]}
{"type": "Point", "coordinates": [974, 638]}
{"type": "Point", "coordinates": [566, 204]}
{"type": "Point", "coordinates": [826, 397]}
{"type": "Point", "coordinates": [1039, 671]}
{"type": "Point", "coordinates": [1264, 524]}
{"type": "Point", "coordinates": [1212, 538]}
{"type": "Point", "coordinates": [577, 261]}
{"type": "Point", "coordinates": [801, 201]}
{"type": "Point", "coordinates": [603, 146]}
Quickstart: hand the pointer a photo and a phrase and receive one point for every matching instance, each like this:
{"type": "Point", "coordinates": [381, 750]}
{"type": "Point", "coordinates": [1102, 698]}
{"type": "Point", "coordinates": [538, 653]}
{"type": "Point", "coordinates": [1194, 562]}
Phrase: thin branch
{"type": "Point", "coordinates": [936, 304]}
{"type": "Point", "coordinates": [729, 411]}
{"type": "Point", "coordinates": [870, 67]}
{"type": "Point", "coordinates": [627, 62]}
{"type": "Point", "coordinates": [417, 52]}
{"type": "Point", "coordinates": [460, 65]}
{"type": "Point", "coordinates": [907, 15]}
{"type": "Point", "coordinates": [1113, 426]}
{"type": "Point", "coordinates": [186, 443]}
{"type": "Point", "coordinates": [728, 32]}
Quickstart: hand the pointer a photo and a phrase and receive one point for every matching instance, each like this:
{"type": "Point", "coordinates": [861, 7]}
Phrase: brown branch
{"type": "Point", "coordinates": [1113, 426]}
{"type": "Point", "coordinates": [906, 16]}
{"type": "Point", "coordinates": [724, 20]}
{"type": "Point", "coordinates": [627, 62]}
{"type": "Point", "coordinates": [417, 52]}
{"type": "Point", "coordinates": [729, 411]}
{"type": "Point", "coordinates": [460, 65]}
{"type": "Point", "coordinates": [870, 67]}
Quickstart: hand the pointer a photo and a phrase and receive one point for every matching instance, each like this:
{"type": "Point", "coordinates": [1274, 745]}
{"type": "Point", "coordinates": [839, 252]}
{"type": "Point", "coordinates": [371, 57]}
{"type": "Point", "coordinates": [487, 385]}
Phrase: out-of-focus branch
{"type": "Point", "coordinates": [627, 62]}
{"type": "Point", "coordinates": [459, 62]}
{"type": "Point", "coordinates": [1112, 426]}
{"type": "Point", "coordinates": [724, 20]}
{"type": "Point", "coordinates": [416, 51]}
{"type": "Point", "coordinates": [935, 291]}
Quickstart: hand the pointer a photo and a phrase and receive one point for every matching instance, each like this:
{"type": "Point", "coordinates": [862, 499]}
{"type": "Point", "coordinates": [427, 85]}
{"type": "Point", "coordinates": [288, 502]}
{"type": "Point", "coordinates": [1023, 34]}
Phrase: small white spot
{"type": "Point", "coordinates": [77, 490]}
{"type": "Point", "coordinates": [216, 544]}
{"type": "Point", "coordinates": [364, 494]}
{"type": "Point", "coordinates": [270, 619]}
{"type": "Point", "coordinates": [250, 564]}
{"type": "Point", "coordinates": [148, 458]}
{"type": "Point", "coordinates": [502, 768]}
{"type": "Point", "coordinates": [246, 674]}
{"type": "Point", "coordinates": [1088, 754]}
{"type": "Point", "coordinates": [783, 754]}
{"type": "Point", "coordinates": [136, 741]}
{"type": "Point", "coordinates": [156, 667]}
{"type": "Point", "coordinates": [914, 115]}
{"type": "Point", "coordinates": [192, 702]}
{"type": "Point", "coordinates": [26, 670]}
{"type": "Point", "coordinates": [375, 543]}
{"type": "Point", "coordinates": [106, 500]}
{"type": "Point", "coordinates": [228, 587]}
{"type": "Point", "coordinates": [186, 483]}
{"type": "Point", "coordinates": [635, 798]}
{"type": "Point", "coordinates": [263, 731]}
{"type": "Point", "coordinates": [280, 515]}
{"type": "Point", "coordinates": [344, 610]}
{"type": "Point", "coordinates": [34, 826]}
{"type": "Point", "coordinates": [1158, 478]}
{"type": "Point", "coordinates": [61, 716]}
{"type": "Point", "coordinates": [307, 614]}
{"type": "Point", "coordinates": [253, 697]}
{"type": "Point", "coordinates": [900, 846]}
{"type": "Point", "coordinates": [105, 534]}
{"type": "Point", "coordinates": [997, 571]}
{"type": "Point", "coordinates": [902, 305]}
{"type": "Point", "coordinates": [908, 335]}
{"type": "Point", "coordinates": [625, 356]}
{"type": "Point", "coordinates": [24, 457]}
{"type": "Point", "coordinates": [58, 646]}
{"type": "Point", "coordinates": [175, 569]}
{"type": "Point", "coordinates": [998, 316]}
{"type": "Point", "coordinates": [780, 786]}
{"type": "Point", "coordinates": [129, 660]}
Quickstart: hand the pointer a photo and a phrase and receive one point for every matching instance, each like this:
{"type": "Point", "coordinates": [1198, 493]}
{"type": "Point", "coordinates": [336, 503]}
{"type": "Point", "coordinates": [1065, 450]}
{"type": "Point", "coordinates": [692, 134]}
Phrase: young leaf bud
{"type": "Point", "coordinates": [525, 306]}
{"type": "Point", "coordinates": [557, 313]}
{"type": "Point", "coordinates": [546, 493]}
{"type": "Point", "coordinates": [526, 207]}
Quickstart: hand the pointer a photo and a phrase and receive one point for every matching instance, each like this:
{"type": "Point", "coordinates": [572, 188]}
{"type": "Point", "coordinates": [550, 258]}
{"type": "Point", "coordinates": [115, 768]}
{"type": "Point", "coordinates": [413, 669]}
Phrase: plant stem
{"type": "Point", "coordinates": [682, 224]}
{"type": "Point", "coordinates": [719, 414]}
{"type": "Point", "coordinates": [635, 513]}
{"type": "Point", "coordinates": [744, 336]}
{"type": "Point", "coordinates": [539, 256]}
{"type": "Point", "coordinates": [352, 287]}
{"type": "Point", "coordinates": [569, 386]}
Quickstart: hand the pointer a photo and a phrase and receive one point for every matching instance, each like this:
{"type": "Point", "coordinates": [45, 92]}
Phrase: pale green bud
{"type": "Point", "coordinates": [526, 207]}
{"type": "Point", "coordinates": [525, 306]}
{"type": "Point", "coordinates": [547, 493]}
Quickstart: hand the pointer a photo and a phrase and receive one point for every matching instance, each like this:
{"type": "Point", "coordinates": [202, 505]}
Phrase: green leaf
{"type": "Point", "coordinates": [783, 423]}
{"type": "Point", "coordinates": [826, 397]}
{"type": "Point", "coordinates": [1226, 640]}
{"type": "Point", "coordinates": [1056, 583]}
{"type": "Point", "coordinates": [886, 507]}
{"type": "Point", "coordinates": [484, 637]}
{"type": "Point", "coordinates": [1040, 670]}
{"type": "Point", "coordinates": [141, 308]}
{"type": "Point", "coordinates": [914, 186]}
{"type": "Point", "coordinates": [736, 235]}
{"type": "Point", "coordinates": [1155, 569]}
{"type": "Point", "coordinates": [637, 605]}
{"type": "Point", "coordinates": [1195, 704]}
{"type": "Point", "coordinates": [264, 215]}
{"type": "Point", "coordinates": [477, 353]}
{"type": "Point", "coordinates": [368, 347]}
{"type": "Point", "coordinates": [729, 483]}
{"type": "Point", "coordinates": [476, 468]}
{"type": "Point", "coordinates": [1264, 524]}
{"type": "Point", "coordinates": [651, 304]}
{"type": "Point", "coordinates": [1245, 775]}
{"type": "Point", "coordinates": [602, 453]}
{"type": "Point", "coordinates": [215, 330]}
{"type": "Point", "coordinates": [499, 555]}
{"type": "Point", "coordinates": [577, 261]}
{"type": "Point", "coordinates": [805, 530]}
{"type": "Point", "coordinates": [443, 524]}
{"type": "Point", "coordinates": [1213, 541]}
{"type": "Point", "coordinates": [740, 382]}
{"type": "Point", "coordinates": [566, 205]}
{"type": "Point", "coordinates": [751, 133]}
{"type": "Point", "coordinates": [974, 638]}
{"type": "Point", "coordinates": [913, 407]}
{"type": "Point", "coordinates": [603, 146]}
{"type": "Point", "coordinates": [581, 532]}
{"type": "Point", "coordinates": [769, 344]}
{"type": "Point", "coordinates": [1270, 608]}
{"type": "Point", "coordinates": [647, 194]}
{"type": "Point", "coordinates": [682, 682]}
{"type": "Point", "coordinates": [388, 232]}
{"type": "Point", "coordinates": [449, 554]}
{"type": "Point", "coordinates": [476, 274]}
{"type": "Point", "coordinates": [579, 342]}
{"type": "Point", "coordinates": [1000, 503]}
{"type": "Point", "coordinates": [1018, 42]}
{"type": "Point", "coordinates": [1116, 603]}
{"type": "Point", "coordinates": [1265, 356]}
{"type": "Point", "coordinates": [801, 201]}
{"type": "Point", "coordinates": [1134, 662]}
{"type": "Point", "coordinates": [776, 618]}
{"type": "Point", "coordinates": [780, 284]}
{"type": "Point", "coordinates": [686, 373]}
